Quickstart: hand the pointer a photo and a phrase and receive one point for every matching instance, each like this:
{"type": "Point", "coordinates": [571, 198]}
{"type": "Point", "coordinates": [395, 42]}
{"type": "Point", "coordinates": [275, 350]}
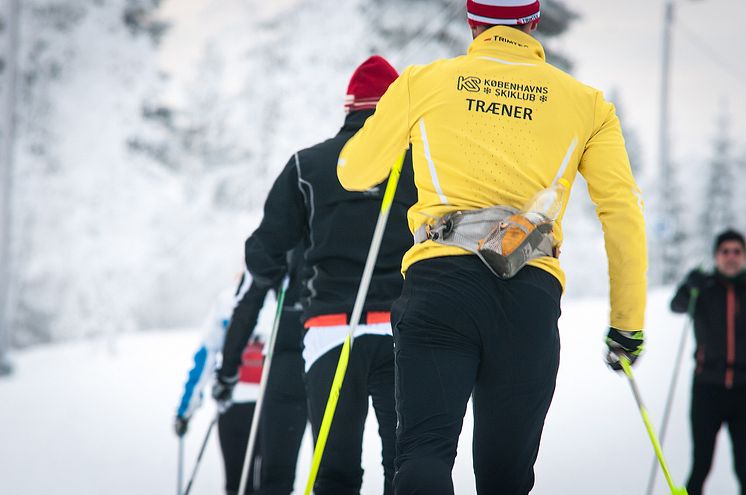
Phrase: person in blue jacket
{"type": "Point", "coordinates": [234, 421]}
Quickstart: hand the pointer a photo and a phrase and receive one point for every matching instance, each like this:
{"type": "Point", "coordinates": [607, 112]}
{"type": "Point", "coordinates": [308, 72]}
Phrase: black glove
{"type": "Point", "coordinates": [180, 425]}
{"type": "Point", "coordinates": [696, 280]}
{"type": "Point", "coordinates": [620, 344]}
{"type": "Point", "coordinates": [222, 390]}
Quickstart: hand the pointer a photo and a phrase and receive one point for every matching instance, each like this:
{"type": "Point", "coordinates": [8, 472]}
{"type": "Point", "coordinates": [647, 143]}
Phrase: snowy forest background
{"type": "Point", "coordinates": [145, 144]}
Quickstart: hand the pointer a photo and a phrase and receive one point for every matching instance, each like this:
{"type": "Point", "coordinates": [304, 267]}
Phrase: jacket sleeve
{"type": "Point", "coordinates": [367, 158]}
{"type": "Point", "coordinates": [249, 301]}
{"type": "Point", "coordinates": [619, 207]}
{"type": "Point", "coordinates": [204, 364]}
{"type": "Point", "coordinates": [680, 301]}
{"type": "Point", "coordinates": [282, 228]}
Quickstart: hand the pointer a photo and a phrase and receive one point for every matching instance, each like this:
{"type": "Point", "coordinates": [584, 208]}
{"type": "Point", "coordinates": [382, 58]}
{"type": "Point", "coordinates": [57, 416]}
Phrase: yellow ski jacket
{"type": "Point", "coordinates": [495, 126]}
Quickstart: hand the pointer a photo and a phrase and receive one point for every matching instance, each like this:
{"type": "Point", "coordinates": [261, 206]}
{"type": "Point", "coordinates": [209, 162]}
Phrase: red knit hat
{"type": "Point", "coordinates": [508, 12]}
{"type": "Point", "coordinates": [368, 83]}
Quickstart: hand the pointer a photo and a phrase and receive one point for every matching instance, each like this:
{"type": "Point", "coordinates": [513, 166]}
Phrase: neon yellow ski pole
{"type": "Point", "coordinates": [672, 388]}
{"type": "Point", "coordinates": [675, 490]}
{"type": "Point", "coordinates": [357, 311]}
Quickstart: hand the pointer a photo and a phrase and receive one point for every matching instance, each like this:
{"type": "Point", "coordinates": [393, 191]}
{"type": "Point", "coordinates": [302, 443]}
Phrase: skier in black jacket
{"type": "Point", "coordinates": [719, 386]}
{"type": "Point", "coordinates": [307, 203]}
{"type": "Point", "coordinates": [284, 413]}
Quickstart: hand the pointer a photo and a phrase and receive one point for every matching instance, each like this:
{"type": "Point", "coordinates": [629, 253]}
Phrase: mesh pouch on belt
{"type": "Point", "coordinates": [502, 237]}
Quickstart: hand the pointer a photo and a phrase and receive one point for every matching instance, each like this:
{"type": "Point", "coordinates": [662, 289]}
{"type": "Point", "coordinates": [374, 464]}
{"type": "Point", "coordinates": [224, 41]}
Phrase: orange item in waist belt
{"type": "Point", "coordinates": [337, 319]}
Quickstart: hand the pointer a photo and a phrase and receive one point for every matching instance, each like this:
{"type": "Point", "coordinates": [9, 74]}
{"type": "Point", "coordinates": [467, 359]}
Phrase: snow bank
{"type": "Point", "coordinates": [84, 418]}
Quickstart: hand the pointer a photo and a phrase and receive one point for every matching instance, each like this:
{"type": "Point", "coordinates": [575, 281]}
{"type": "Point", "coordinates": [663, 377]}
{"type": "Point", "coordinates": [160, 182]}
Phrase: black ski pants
{"type": "Point", "coordinates": [460, 331]}
{"type": "Point", "coordinates": [234, 426]}
{"type": "Point", "coordinates": [283, 420]}
{"type": "Point", "coordinates": [370, 372]}
{"type": "Point", "coordinates": [713, 405]}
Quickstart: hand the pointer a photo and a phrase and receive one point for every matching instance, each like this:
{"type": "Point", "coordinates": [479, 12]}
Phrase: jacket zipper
{"type": "Point", "coordinates": [731, 332]}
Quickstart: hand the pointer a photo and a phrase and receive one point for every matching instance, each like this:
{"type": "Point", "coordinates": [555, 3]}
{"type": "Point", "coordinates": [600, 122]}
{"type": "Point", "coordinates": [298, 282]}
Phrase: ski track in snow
{"type": "Point", "coordinates": [81, 418]}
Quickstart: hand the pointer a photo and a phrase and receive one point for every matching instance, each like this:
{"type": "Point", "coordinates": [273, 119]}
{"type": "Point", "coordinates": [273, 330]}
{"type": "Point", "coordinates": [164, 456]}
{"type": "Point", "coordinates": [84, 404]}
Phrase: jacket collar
{"type": "Point", "coordinates": [354, 120]}
{"type": "Point", "coordinates": [739, 279]}
{"type": "Point", "coordinates": [505, 42]}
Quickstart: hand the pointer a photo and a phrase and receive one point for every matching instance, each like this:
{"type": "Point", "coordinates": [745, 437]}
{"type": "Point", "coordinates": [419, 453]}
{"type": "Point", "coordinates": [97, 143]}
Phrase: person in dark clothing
{"type": "Point", "coordinates": [285, 413]}
{"type": "Point", "coordinates": [716, 302]}
{"type": "Point", "coordinates": [517, 318]}
{"type": "Point", "coordinates": [234, 427]}
{"type": "Point", "coordinates": [283, 418]}
{"type": "Point", "coordinates": [307, 204]}
{"type": "Point", "coordinates": [459, 329]}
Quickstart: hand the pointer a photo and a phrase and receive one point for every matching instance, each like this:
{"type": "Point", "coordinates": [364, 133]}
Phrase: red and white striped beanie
{"type": "Point", "coordinates": [508, 12]}
{"type": "Point", "coordinates": [368, 83]}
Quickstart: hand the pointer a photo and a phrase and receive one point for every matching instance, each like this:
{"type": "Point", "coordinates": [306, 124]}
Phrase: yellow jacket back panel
{"type": "Point", "coordinates": [495, 126]}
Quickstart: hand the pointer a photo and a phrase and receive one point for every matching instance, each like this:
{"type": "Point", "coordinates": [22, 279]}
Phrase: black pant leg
{"type": "Point", "coordinates": [284, 414]}
{"type": "Point", "coordinates": [340, 472]}
{"type": "Point", "coordinates": [516, 381]}
{"type": "Point", "coordinates": [381, 390]}
{"type": "Point", "coordinates": [234, 427]}
{"type": "Point", "coordinates": [737, 430]}
{"type": "Point", "coordinates": [458, 327]}
{"type": "Point", "coordinates": [706, 419]}
{"type": "Point", "coordinates": [437, 352]}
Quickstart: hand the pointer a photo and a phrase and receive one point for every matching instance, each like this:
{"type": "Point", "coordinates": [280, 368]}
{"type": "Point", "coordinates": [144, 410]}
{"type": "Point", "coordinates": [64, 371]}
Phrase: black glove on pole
{"type": "Point", "coordinates": [181, 425]}
{"type": "Point", "coordinates": [222, 390]}
{"type": "Point", "coordinates": [621, 343]}
{"type": "Point", "coordinates": [695, 280]}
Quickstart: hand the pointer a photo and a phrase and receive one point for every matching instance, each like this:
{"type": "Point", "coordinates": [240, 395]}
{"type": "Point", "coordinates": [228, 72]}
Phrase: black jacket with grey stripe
{"type": "Point", "coordinates": [250, 299]}
{"type": "Point", "coordinates": [719, 319]}
{"type": "Point", "coordinates": [307, 204]}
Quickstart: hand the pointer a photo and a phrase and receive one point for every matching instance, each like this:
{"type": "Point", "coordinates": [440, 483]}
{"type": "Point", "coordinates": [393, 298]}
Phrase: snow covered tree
{"type": "Point", "coordinates": [444, 33]}
{"type": "Point", "coordinates": [631, 137]}
{"type": "Point", "coordinates": [668, 246]}
{"type": "Point", "coordinates": [718, 212]}
{"type": "Point", "coordinates": [79, 241]}
{"type": "Point", "coordinates": [143, 164]}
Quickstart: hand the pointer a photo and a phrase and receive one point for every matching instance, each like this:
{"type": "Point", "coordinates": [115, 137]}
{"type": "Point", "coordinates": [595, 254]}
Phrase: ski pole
{"type": "Point", "coordinates": [262, 389]}
{"type": "Point", "coordinates": [199, 456]}
{"type": "Point", "coordinates": [672, 389]}
{"type": "Point", "coordinates": [675, 490]}
{"type": "Point", "coordinates": [180, 467]}
{"type": "Point", "coordinates": [357, 310]}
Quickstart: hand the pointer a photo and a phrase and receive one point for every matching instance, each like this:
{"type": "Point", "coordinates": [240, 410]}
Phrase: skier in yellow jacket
{"type": "Point", "coordinates": [488, 131]}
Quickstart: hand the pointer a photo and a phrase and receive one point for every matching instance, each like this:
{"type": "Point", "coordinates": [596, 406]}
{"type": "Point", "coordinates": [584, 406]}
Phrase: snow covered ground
{"type": "Point", "coordinates": [86, 418]}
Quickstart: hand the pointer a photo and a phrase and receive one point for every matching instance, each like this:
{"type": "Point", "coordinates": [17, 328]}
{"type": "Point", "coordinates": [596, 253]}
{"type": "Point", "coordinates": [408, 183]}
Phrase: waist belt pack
{"type": "Point", "coordinates": [504, 238]}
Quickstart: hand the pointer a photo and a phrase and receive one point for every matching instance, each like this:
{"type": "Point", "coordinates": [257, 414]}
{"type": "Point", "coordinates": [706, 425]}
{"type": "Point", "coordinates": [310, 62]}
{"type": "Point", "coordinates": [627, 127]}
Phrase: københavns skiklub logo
{"type": "Point", "coordinates": [469, 83]}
